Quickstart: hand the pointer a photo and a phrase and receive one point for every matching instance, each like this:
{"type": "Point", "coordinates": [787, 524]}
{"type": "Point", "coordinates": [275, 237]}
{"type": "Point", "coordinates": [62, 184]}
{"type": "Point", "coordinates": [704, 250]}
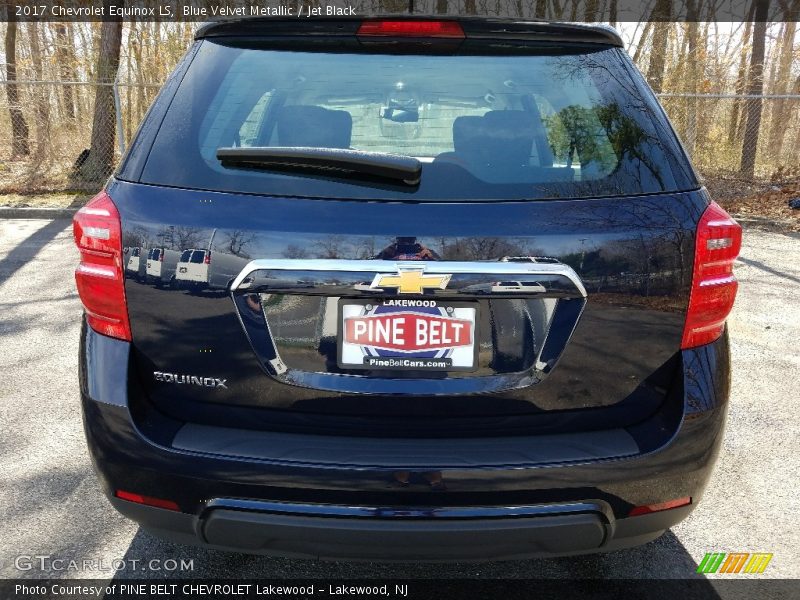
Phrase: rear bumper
{"type": "Point", "coordinates": [357, 509]}
{"type": "Point", "coordinates": [559, 530]}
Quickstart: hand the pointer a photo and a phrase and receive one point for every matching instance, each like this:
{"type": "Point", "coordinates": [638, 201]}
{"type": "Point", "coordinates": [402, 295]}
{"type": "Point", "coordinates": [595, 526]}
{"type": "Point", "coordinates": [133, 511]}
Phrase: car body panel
{"type": "Point", "coordinates": [640, 318]}
{"type": "Point", "coordinates": [236, 414]}
{"type": "Point", "coordinates": [129, 441]}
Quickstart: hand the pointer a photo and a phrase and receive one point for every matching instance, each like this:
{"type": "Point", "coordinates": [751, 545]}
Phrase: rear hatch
{"type": "Point", "coordinates": [457, 236]}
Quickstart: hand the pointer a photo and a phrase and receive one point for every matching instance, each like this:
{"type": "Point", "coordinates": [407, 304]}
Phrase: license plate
{"type": "Point", "coordinates": [406, 334]}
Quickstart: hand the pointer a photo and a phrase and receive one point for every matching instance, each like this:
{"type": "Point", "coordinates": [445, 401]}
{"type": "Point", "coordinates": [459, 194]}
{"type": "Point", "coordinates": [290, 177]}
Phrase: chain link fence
{"type": "Point", "coordinates": [751, 138]}
{"type": "Point", "coordinates": [46, 130]}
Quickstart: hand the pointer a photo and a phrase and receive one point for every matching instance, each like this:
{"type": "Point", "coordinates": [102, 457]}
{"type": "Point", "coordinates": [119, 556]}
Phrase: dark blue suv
{"type": "Point", "coordinates": [431, 290]}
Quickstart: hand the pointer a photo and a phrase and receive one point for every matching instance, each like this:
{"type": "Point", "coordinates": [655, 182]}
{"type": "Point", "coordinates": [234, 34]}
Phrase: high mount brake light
{"type": "Point", "coordinates": [420, 29]}
{"type": "Point", "coordinates": [99, 276]}
{"type": "Point", "coordinates": [719, 239]}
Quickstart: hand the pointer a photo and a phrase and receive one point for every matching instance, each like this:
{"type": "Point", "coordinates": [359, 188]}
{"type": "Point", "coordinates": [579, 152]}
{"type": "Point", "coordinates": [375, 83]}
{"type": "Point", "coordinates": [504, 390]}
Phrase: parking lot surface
{"type": "Point", "coordinates": [51, 505]}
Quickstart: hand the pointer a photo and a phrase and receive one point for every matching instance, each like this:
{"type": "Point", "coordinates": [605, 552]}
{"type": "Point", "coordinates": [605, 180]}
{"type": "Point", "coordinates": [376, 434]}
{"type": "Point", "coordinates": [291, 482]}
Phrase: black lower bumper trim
{"type": "Point", "coordinates": [383, 539]}
{"type": "Point", "coordinates": [402, 539]}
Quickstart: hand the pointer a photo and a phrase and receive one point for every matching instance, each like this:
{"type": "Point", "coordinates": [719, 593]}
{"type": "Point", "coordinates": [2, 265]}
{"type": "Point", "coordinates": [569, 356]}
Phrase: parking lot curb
{"type": "Point", "coordinates": [13, 212]}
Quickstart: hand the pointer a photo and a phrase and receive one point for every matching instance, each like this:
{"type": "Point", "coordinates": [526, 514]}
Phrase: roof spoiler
{"type": "Point", "coordinates": [474, 28]}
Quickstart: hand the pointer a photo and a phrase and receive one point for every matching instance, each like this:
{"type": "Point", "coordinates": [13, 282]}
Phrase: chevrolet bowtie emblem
{"type": "Point", "coordinates": [410, 281]}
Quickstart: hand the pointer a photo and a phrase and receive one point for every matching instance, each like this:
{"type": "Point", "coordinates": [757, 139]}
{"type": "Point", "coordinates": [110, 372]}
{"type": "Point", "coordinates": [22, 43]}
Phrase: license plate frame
{"type": "Point", "coordinates": [474, 306]}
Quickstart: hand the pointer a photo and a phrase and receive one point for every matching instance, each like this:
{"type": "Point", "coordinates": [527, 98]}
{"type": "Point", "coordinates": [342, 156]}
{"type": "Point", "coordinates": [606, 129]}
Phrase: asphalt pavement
{"type": "Point", "coordinates": [51, 504]}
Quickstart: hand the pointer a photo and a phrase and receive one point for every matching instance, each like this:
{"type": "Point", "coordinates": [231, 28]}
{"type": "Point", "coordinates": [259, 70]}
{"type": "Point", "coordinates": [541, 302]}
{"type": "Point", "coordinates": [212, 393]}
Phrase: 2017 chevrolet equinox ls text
{"type": "Point", "coordinates": [447, 290]}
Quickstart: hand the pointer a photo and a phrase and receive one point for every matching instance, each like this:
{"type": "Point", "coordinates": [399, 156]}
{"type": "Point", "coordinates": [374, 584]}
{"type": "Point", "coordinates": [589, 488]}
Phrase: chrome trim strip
{"type": "Point", "coordinates": [388, 266]}
{"type": "Point", "coordinates": [411, 512]}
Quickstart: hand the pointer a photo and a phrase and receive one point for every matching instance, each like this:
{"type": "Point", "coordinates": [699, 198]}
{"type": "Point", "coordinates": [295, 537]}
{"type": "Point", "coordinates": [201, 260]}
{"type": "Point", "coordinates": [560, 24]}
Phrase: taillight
{"type": "Point", "coordinates": [161, 256]}
{"type": "Point", "coordinates": [719, 239]}
{"type": "Point", "coordinates": [207, 259]}
{"type": "Point", "coordinates": [99, 276]}
{"type": "Point", "coordinates": [422, 29]}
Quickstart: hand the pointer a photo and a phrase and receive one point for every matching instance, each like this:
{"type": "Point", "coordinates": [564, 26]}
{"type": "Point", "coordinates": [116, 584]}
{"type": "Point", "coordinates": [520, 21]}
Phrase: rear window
{"type": "Point", "coordinates": [552, 123]}
{"type": "Point", "coordinates": [198, 256]}
{"type": "Point", "coordinates": [186, 255]}
{"type": "Point", "coordinates": [155, 254]}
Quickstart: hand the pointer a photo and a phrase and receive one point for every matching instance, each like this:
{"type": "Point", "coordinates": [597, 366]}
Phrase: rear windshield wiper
{"type": "Point", "coordinates": [357, 162]}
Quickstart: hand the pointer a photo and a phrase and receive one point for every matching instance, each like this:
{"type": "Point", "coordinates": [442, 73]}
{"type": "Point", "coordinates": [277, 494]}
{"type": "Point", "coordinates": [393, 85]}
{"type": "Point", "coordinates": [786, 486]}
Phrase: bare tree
{"type": "Point", "coordinates": [590, 11]}
{"type": "Point", "coordinates": [41, 100]}
{"type": "Point", "coordinates": [573, 11]}
{"type": "Point", "coordinates": [65, 57]}
{"type": "Point", "coordinates": [295, 251]}
{"type": "Point", "coordinates": [612, 13]}
{"type": "Point", "coordinates": [783, 75]}
{"type": "Point", "coordinates": [100, 162]}
{"type": "Point", "coordinates": [655, 70]}
{"type": "Point", "coordinates": [19, 127]}
{"type": "Point", "coordinates": [640, 45]}
{"type": "Point", "coordinates": [756, 88]}
{"type": "Point", "coordinates": [237, 241]}
{"type": "Point", "coordinates": [741, 78]}
{"type": "Point", "coordinates": [185, 237]}
{"type": "Point", "coordinates": [691, 76]}
{"type": "Point", "coordinates": [332, 246]}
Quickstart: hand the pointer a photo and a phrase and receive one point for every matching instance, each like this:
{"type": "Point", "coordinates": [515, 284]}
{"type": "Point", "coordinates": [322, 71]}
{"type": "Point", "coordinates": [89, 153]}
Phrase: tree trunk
{"type": "Point", "coordinates": [691, 77]}
{"type": "Point", "coordinates": [100, 161]}
{"type": "Point", "coordinates": [795, 146]}
{"type": "Point", "coordinates": [441, 7]}
{"type": "Point", "coordinates": [65, 55]}
{"type": "Point", "coordinates": [540, 12]}
{"type": "Point", "coordinates": [612, 13]}
{"type": "Point", "coordinates": [783, 80]}
{"type": "Point", "coordinates": [590, 12]}
{"type": "Point", "coordinates": [658, 53]}
{"type": "Point", "coordinates": [20, 146]}
{"type": "Point", "coordinates": [573, 11]}
{"type": "Point", "coordinates": [642, 41]}
{"type": "Point", "coordinates": [128, 89]}
{"type": "Point", "coordinates": [741, 78]}
{"type": "Point", "coordinates": [40, 95]}
{"type": "Point", "coordinates": [755, 87]}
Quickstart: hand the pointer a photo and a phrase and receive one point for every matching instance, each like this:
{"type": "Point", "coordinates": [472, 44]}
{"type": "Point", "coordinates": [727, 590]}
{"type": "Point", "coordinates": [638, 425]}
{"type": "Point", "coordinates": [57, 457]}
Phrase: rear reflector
{"type": "Point", "coordinates": [99, 276]}
{"type": "Point", "coordinates": [146, 500]}
{"type": "Point", "coordinates": [422, 29]}
{"type": "Point", "coordinates": [652, 508]}
{"type": "Point", "coordinates": [719, 239]}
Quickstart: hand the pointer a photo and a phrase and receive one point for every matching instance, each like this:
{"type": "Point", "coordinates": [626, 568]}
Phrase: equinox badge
{"type": "Point", "coordinates": [411, 280]}
{"type": "Point", "coordinates": [211, 382]}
